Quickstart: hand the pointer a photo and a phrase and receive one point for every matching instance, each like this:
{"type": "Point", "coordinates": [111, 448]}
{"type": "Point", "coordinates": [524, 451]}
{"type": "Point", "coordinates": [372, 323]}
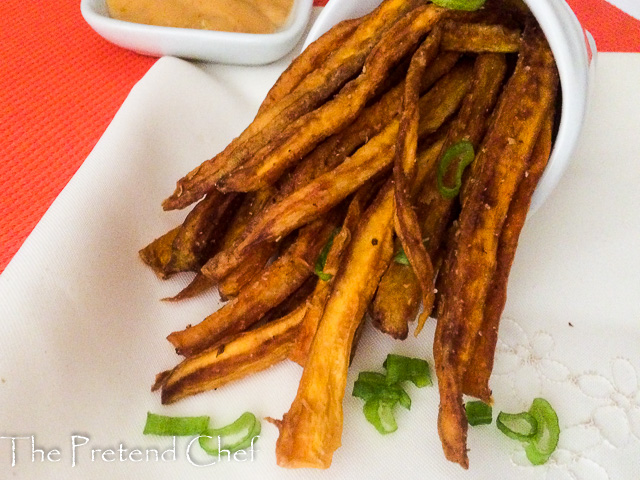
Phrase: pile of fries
{"type": "Point", "coordinates": [330, 206]}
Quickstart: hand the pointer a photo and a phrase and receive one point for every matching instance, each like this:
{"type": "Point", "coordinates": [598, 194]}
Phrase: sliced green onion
{"type": "Point", "coordinates": [322, 258]}
{"type": "Point", "coordinates": [174, 426]}
{"type": "Point", "coordinates": [401, 257]}
{"type": "Point", "coordinates": [519, 426]}
{"type": "Point", "coordinates": [379, 413]}
{"type": "Point", "coordinates": [372, 385]}
{"type": "Point", "coordinates": [462, 150]}
{"type": "Point", "coordinates": [233, 437]}
{"type": "Point", "coordinates": [468, 5]}
{"type": "Point", "coordinates": [545, 439]}
{"type": "Point", "coordinates": [478, 413]}
{"type": "Point", "coordinates": [400, 369]}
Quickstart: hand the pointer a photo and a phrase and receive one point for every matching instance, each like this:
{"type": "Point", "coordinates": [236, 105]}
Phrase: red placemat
{"type": "Point", "coordinates": [61, 84]}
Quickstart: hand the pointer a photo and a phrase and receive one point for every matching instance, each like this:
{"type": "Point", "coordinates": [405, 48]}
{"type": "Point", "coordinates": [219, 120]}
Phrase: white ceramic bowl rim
{"type": "Point", "coordinates": [567, 40]}
{"type": "Point", "coordinates": [208, 45]}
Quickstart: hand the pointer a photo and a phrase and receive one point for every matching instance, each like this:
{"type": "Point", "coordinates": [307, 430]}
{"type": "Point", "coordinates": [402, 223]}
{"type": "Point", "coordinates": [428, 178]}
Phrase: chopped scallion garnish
{"type": "Point", "coordinates": [322, 259]}
{"type": "Point", "coordinates": [545, 440]}
{"type": "Point", "coordinates": [400, 369]}
{"type": "Point", "coordinates": [478, 413]}
{"type": "Point", "coordinates": [401, 257]}
{"type": "Point", "coordinates": [519, 426]}
{"type": "Point", "coordinates": [538, 429]}
{"type": "Point", "coordinates": [382, 392]}
{"type": "Point", "coordinates": [174, 426]}
{"type": "Point", "coordinates": [462, 150]}
{"type": "Point", "coordinates": [379, 413]}
{"type": "Point", "coordinates": [236, 436]}
{"type": "Point", "coordinates": [468, 5]}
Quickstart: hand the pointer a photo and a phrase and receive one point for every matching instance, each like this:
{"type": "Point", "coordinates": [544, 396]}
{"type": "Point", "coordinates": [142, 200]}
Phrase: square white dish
{"type": "Point", "coordinates": [206, 45]}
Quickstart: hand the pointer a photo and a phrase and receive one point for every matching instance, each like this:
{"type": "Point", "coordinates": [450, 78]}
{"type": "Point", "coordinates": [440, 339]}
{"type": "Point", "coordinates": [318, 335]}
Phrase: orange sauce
{"type": "Point", "coordinates": [246, 16]}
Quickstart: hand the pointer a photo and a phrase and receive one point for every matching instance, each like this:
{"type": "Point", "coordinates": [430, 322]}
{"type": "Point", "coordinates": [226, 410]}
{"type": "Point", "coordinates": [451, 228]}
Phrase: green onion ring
{"type": "Point", "coordinates": [212, 440]}
{"type": "Point", "coordinates": [519, 426]}
{"type": "Point", "coordinates": [545, 440]}
{"type": "Point", "coordinates": [463, 150]}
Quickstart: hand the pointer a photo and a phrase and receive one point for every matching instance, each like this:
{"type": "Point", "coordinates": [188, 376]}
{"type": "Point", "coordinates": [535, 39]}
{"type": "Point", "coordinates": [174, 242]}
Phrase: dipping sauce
{"type": "Point", "coordinates": [246, 16]}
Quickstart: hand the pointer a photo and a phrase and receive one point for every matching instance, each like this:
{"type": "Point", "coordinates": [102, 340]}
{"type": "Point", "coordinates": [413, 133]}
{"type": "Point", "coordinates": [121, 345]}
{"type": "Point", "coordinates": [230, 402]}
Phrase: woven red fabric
{"type": "Point", "coordinates": [612, 29]}
{"type": "Point", "coordinates": [61, 84]}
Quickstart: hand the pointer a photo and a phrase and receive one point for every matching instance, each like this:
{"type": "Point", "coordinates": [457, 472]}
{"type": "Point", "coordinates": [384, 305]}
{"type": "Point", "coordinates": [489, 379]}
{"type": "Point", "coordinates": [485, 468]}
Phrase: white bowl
{"type": "Point", "coordinates": [207, 45]}
{"type": "Point", "coordinates": [574, 52]}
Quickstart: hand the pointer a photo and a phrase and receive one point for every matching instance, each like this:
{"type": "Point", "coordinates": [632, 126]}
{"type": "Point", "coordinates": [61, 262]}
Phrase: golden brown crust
{"type": "Point", "coordinates": [309, 60]}
{"type": "Point", "coordinates": [249, 353]}
{"type": "Point", "coordinates": [472, 257]}
{"type": "Point", "coordinates": [311, 430]}
{"type": "Point", "coordinates": [203, 226]}
{"type": "Point", "coordinates": [301, 136]}
{"type": "Point", "coordinates": [158, 253]}
{"type": "Point", "coordinates": [346, 61]}
{"type": "Point", "coordinates": [279, 280]}
{"type": "Point", "coordinates": [476, 379]}
{"type": "Point", "coordinates": [480, 38]}
{"type": "Point", "coordinates": [198, 285]}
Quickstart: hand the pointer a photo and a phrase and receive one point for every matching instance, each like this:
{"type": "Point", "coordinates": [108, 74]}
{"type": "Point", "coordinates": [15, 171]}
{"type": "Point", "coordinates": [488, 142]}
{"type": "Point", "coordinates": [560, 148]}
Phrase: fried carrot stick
{"type": "Point", "coordinates": [315, 306]}
{"type": "Point", "coordinates": [480, 38]}
{"type": "Point", "coordinates": [329, 189]}
{"type": "Point", "coordinates": [471, 259]}
{"type": "Point", "coordinates": [285, 275]}
{"type": "Point", "coordinates": [311, 430]}
{"type": "Point", "coordinates": [345, 61]}
{"type": "Point", "coordinates": [252, 205]}
{"type": "Point", "coordinates": [158, 253]}
{"type": "Point", "coordinates": [198, 285]}
{"type": "Point", "coordinates": [396, 301]}
{"type": "Point", "coordinates": [476, 378]}
{"type": "Point", "coordinates": [306, 132]}
{"type": "Point", "coordinates": [334, 150]}
{"type": "Point", "coordinates": [405, 218]}
{"type": "Point", "coordinates": [204, 225]}
{"type": "Point", "coordinates": [249, 353]}
{"type": "Point", "coordinates": [309, 60]}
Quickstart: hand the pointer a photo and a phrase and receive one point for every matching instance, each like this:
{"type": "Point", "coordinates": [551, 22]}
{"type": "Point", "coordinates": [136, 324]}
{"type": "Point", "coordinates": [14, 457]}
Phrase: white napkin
{"type": "Point", "coordinates": [82, 330]}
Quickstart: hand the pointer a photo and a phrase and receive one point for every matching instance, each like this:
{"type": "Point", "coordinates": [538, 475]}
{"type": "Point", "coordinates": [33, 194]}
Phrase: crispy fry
{"type": "Point", "coordinates": [283, 277]}
{"type": "Point", "coordinates": [315, 306]}
{"type": "Point", "coordinates": [310, 59]}
{"type": "Point", "coordinates": [301, 136]}
{"type": "Point", "coordinates": [310, 431]}
{"type": "Point", "coordinates": [334, 150]}
{"type": "Point", "coordinates": [398, 297]}
{"type": "Point", "coordinates": [405, 218]}
{"type": "Point", "coordinates": [203, 226]}
{"type": "Point", "coordinates": [476, 379]}
{"type": "Point", "coordinates": [198, 285]}
{"type": "Point", "coordinates": [251, 352]}
{"type": "Point", "coordinates": [158, 253]}
{"type": "Point", "coordinates": [480, 38]}
{"type": "Point", "coordinates": [472, 257]}
{"type": "Point", "coordinates": [346, 61]}
{"type": "Point", "coordinates": [371, 159]}
{"type": "Point", "coordinates": [397, 301]}
{"type": "Point", "coordinates": [230, 285]}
